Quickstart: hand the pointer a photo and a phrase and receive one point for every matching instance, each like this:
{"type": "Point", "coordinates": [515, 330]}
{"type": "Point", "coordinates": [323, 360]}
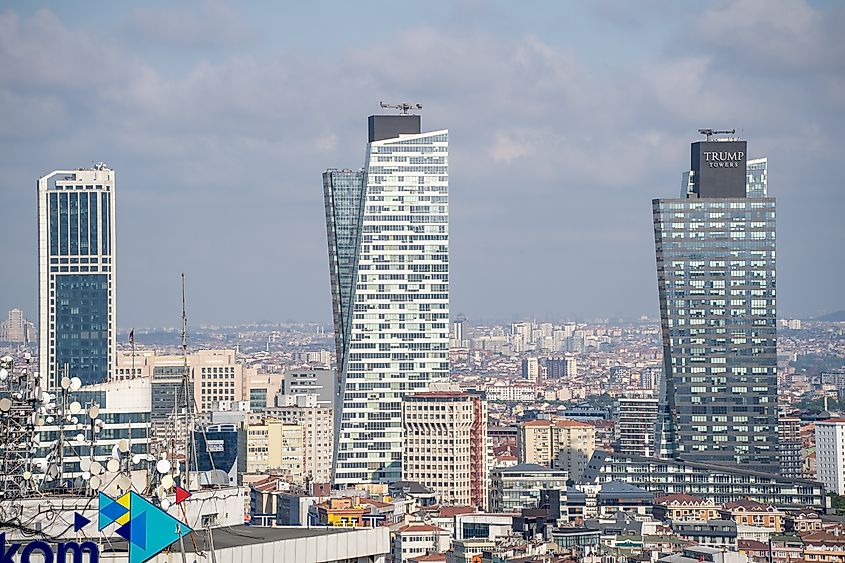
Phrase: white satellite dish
{"type": "Point", "coordinates": [96, 467]}
{"type": "Point", "coordinates": [5, 404]}
{"type": "Point", "coordinates": [65, 383]}
{"type": "Point", "coordinates": [75, 383]}
{"type": "Point", "coordinates": [95, 482]}
{"type": "Point", "coordinates": [86, 475]}
{"type": "Point", "coordinates": [113, 465]}
{"type": "Point", "coordinates": [167, 482]}
{"type": "Point", "coordinates": [26, 475]}
{"type": "Point", "coordinates": [165, 504]}
{"type": "Point", "coordinates": [123, 445]}
{"type": "Point", "coordinates": [137, 458]}
{"type": "Point", "coordinates": [93, 411]}
{"type": "Point", "coordinates": [84, 464]}
{"type": "Point", "coordinates": [163, 466]}
{"type": "Point", "coordinates": [4, 374]}
{"type": "Point", "coordinates": [75, 407]}
{"type": "Point", "coordinates": [80, 437]}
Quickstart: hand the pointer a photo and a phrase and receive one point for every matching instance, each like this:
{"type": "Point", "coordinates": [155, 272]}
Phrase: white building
{"type": "Point", "coordinates": [317, 422]}
{"type": "Point", "coordinates": [445, 445]}
{"type": "Point", "coordinates": [76, 267]}
{"type": "Point", "coordinates": [635, 423]}
{"type": "Point", "coordinates": [531, 369]}
{"type": "Point", "coordinates": [830, 454]}
{"type": "Point", "coordinates": [388, 235]}
{"type": "Point", "coordinates": [417, 539]}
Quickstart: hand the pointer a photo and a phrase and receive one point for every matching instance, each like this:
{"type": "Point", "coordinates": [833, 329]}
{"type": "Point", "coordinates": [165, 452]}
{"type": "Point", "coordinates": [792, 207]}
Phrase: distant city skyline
{"type": "Point", "coordinates": [565, 122]}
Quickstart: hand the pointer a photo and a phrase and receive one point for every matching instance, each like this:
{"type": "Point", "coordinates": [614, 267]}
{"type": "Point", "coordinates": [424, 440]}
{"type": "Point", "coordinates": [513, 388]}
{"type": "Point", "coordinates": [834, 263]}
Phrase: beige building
{"type": "Point", "coordinates": [217, 375]}
{"type": "Point", "coordinates": [561, 444]}
{"type": "Point", "coordinates": [445, 445]}
{"type": "Point", "coordinates": [317, 424]}
{"type": "Point", "coordinates": [276, 447]}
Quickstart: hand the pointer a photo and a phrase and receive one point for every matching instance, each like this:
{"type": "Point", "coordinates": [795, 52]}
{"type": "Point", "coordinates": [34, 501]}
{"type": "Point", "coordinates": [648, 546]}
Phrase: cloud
{"type": "Point", "coordinates": [203, 23]}
{"type": "Point", "coordinates": [554, 157]}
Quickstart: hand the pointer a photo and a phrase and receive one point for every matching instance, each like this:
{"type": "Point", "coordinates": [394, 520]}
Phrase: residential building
{"type": "Point", "coordinates": [317, 421]}
{"type": "Point", "coordinates": [445, 445]}
{"type": "Point", "coordinates": [720, 534]}
{"type": "Point", "coordinates": [713, 482]}
{"type": "Point", "coordinates": [684, 507]}
{"type": "Point", "coordinates": [700, 553]}
{"type": "Point", "coordinates": [531, 369]}
{"type": "Point", "coordinates": [635, 423]}
{"type": "Point", "coordinates": [311, 381]}
{"type": "Point", "coordinates": [830, 454]}
{"type": "Point", "coordinates": [278, 448]}
{"type": "Point", "coordinates": [17, 329]}
{"type": "Point", "coordinates": [561, 443]}
{"type": "Point", "coordinates": [565, 368]}
{"type": "Point", "coordinates": [417, 539]}
{"type": "Point", "coordinates": [715, 250]}
{"type": "Point", "coordinates": [518, 487]}
{"type": "Point", "coordinates": [789, 443]}
{"type": "Point", "coordinates": [752, 513]}
{"type": "Point", "coordinates": [76, 275]}
{"type": "Point", "coordinates": [388, 238]}
{"type": "Point", "coordinates": [824, 546]}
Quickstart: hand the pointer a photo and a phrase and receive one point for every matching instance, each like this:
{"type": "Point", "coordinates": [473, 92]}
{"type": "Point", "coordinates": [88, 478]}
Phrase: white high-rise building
{"type": "Point", "coordinates": [635, 423]}
{"type": "Point", "coordinates": [76, 306]}
{"type": "Point", "coordinates": [830, 454]}
{"type": "Point", "coordinates": [388, 234]}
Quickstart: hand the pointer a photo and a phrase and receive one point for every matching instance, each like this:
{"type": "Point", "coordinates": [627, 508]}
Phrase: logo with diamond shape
{"type": "Point", "coordinates": [148, 529]}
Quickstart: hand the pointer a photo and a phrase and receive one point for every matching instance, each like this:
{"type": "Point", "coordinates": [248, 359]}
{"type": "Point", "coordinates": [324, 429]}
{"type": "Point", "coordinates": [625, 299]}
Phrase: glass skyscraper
{"type": "Point", "coordinates": [715, 249]}
{"type": "Point", "coordinates": [388, 238]}
{"type": "Point", "coordinates": [76, 275]}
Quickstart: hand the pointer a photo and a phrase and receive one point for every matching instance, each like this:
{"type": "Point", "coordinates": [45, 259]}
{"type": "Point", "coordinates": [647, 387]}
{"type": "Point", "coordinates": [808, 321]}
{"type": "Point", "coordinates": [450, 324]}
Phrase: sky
{"type": "Point", "coordinates": [565, 120]}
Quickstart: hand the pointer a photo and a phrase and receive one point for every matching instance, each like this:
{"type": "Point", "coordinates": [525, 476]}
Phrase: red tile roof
{"type": "Point", "coordinates": [417, 528]}
{"type": "Point", "coordinates": [450, 511]}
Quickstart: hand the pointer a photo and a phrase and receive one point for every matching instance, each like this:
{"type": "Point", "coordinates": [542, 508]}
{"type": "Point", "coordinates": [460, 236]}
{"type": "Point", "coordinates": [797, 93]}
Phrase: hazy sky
{"type": "Point", "coordinates": [565, 120]}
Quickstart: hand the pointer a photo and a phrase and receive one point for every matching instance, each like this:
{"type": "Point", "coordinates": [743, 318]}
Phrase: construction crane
{"type": "Point", "coordinates": [711, 132]}
{"type": "Point", "coordinates": [403, 108]}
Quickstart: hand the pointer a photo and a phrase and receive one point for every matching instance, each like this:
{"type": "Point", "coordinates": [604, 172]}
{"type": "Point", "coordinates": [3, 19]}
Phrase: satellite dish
{"type": "Point", "coordinates": [75, 407]}
{"type": "Point", "coordinates": [93, 411]}
{"type": "Point", "coordinates": [167, 482]}
{"type": "Point", "coordinates": [114, 453]}
{"type": "Point", "coordinates": [94, 482]}
{"type": "Point", "coordinates": [163, 466]}
{"type": "Point", "coordinates": [123, 445]}
{"type": "Point", "coordinates": [53, 471]}
{"type": "Point", "coordinates": [123, 482]}
{"type": "Point", "coordinates": [75, 383]}
{"type": "Point", "coordinates": [96, 467]}
{"type": "Point", "coordinates": [39, 421]}
{"type": "Point", "coordinates": [84, 464]}
{"type": "Point", "coordinates": [80, 437]}
{"type": "Point", "coordinates": [5, 404]}
{"type": "Point", "coordinates": [26, 475]}
{"type": "Point", "coordinates": [86, 475]}
{"type": "Point", "coordinates": [46, 397]}
{"type": "Point", "coordinates": [50, 420]}
{"type": "Point", "coordinates": [137, 458]}
{"type": "Point", "coordinates": [65, 383]}
{"type": "Point", "coordinates": [165, 504]}
{"type": "Point", "coordinates": [4, 374]}
{"type": "Point", "coordinates": [113, 465]}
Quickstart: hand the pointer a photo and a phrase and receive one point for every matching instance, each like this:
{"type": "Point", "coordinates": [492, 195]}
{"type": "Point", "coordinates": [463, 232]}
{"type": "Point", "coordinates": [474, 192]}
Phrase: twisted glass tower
{"type": "Point", "coordinates": [388, 238]}
{"type": "Point", "coordinates": [715, 248]}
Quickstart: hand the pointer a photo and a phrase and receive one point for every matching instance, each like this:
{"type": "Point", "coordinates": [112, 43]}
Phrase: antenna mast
{"type": "Point", "coordinates": [710, 132]}
{"type": "Point", "coordinates": [188, 394]}
{"type": "Point", "coordinates": [403, 108]}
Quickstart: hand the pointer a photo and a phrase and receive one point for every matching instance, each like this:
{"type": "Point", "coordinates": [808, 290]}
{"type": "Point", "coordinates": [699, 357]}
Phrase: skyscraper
{"type": "Point", "coordinates": [388, 238]}
{"type": "Point", "coordinates": [715, 249]}
{"type": "Point", "coordinates": [76, 252]}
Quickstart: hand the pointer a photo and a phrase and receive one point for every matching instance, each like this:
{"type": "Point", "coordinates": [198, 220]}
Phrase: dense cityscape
{"type": "Point", "coordinates": [404, 431]}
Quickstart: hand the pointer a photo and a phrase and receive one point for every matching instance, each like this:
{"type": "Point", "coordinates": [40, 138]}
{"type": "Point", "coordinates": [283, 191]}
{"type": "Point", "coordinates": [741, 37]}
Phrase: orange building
{"type": "Point", "coordinates": [753, 513]}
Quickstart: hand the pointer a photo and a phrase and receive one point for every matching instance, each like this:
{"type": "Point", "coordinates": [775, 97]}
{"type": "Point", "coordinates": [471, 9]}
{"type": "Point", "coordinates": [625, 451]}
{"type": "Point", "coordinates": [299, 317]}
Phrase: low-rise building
{"type": "Point", "coordinates": [752, 513]}
{"type": "Point", "coordinates": [683, 507]}
{"type": "Point", "coordinates": [417, 539]}
{"type": "Point", "coordinates": [518, 487]}
{"type": "Point", "coordinates": [720, 534]}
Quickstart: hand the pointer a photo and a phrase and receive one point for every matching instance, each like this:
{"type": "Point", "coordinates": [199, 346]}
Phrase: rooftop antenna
{"type": "Point", "coordinates": [188, 394]}
{"type": "Point", "coordinates": [403, 108]}
{"type": "Point", "coordinates": [710, 132]}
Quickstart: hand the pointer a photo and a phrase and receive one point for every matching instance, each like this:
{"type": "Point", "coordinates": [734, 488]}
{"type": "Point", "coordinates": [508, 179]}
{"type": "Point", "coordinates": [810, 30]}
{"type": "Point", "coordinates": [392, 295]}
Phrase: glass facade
{"type": "Point", "coordinates": [82, 322]}
{"type": "Point", "coordinates": [388, 235]}
{"type": "Point", "coordinates": [76, 273]}
{"type": "Point", "coordinates": [717, 290]}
